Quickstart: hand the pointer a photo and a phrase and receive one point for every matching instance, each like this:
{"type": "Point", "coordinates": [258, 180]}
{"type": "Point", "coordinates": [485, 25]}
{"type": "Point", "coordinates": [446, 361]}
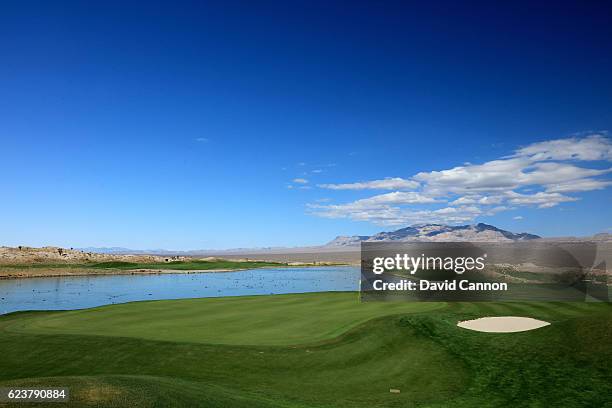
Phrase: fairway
{"type": "Point", "coordinates": [310, 350]}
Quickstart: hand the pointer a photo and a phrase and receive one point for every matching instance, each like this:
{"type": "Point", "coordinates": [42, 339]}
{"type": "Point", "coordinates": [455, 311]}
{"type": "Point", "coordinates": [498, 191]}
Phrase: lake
{"type": "Point", "coordinates": [79, 292]}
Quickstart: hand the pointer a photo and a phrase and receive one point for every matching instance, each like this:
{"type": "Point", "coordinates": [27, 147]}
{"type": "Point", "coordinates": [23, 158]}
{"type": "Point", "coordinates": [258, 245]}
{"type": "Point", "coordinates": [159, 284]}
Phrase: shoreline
{"type": "Point", "coordinates": [67, 272]}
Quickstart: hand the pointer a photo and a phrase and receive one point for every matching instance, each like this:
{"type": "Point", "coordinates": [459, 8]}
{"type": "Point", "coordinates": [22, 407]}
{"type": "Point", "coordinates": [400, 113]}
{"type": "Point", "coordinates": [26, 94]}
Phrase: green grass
{"type": "Point", "coordinates": [247, 320]}
{"type": "Point", "coordinates": [315, 350]}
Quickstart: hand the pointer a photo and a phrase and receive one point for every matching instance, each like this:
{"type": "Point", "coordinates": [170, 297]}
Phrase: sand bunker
{"type": "Point", "coordinates": [504, 324]}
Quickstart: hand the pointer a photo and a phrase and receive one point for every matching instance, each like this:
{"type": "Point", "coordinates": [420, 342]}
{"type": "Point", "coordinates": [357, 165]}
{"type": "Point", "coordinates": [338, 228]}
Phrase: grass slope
{"type": "Point", "coordinates": [348, 357]}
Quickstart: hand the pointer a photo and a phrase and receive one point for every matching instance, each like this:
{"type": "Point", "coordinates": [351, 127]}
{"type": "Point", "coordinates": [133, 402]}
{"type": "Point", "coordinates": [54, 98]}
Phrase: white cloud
{"type": "Point", "coordinates": [503, 175]}
{"type": "Point", "coordinates": [495, 175]}
{"type": "Point", "coordinates": [389, 215]}
{"type": "Point", "coordinates": [491, 200]}
{"type": "Point", "coordinates": [495, 210]}
{"type": "Point", "coordinates": [395, 183]}
{"type": "Point", "coordinates": [518, 217]}
{"type": "Point", "coordinates": [537, 175]}
{"type": "Point", "coordinates": [300, 180]}
{"type": "Point", "coordinates": [395, 198]}
{"type": "Point", "coordinates": [593, 147]}
{"type": "Point", "coordinates": [541, 199]}
{"type": "Point", "coordinates": [472, 199]}
{"type": "Point", "coordinates": [579, 185]}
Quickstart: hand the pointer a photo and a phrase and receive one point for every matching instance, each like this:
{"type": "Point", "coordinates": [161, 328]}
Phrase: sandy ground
{"type": "Point", "coordinates": [503, 324]}
{"type": "Point", "coordinates": [54, 255]}
{"type": "Point", "coordinates": [16, 262]}
{"type": "Point", "coordinates": [351, 257]}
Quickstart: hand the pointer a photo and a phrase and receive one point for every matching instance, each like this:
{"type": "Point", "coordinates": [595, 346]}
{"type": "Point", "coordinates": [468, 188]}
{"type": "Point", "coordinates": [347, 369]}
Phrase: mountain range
{"type": "Point", "coordinates": [421, 232]}
{"type": "Point", "coordinates": [436, 233]}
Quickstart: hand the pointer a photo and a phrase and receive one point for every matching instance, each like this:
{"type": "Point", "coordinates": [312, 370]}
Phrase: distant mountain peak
{"type": "Point", "coordinates": [344, 240]}
{"type": "Point", "coordinates": [480, 232]}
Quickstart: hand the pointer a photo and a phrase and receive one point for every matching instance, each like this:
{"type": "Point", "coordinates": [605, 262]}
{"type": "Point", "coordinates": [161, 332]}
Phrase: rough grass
{"type": "Point", "coordinates": [420, 352]}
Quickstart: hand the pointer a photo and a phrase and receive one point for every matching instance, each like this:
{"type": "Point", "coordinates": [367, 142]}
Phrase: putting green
{"type": "Point", "coordinates": [248, 320]}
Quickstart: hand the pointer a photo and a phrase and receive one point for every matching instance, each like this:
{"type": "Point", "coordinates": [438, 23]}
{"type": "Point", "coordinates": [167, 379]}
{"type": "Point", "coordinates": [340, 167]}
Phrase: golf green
{"type": "Point", "coordinates": [248, 320]}
{"type": "Point", "coordinates": [310, 350]}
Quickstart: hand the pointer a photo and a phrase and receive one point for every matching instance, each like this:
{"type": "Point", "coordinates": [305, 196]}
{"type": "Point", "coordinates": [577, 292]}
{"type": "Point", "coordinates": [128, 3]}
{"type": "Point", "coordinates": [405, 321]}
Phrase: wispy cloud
{"type": "Point", "coordinates": [202, 140]}
{"type": "Point", "coordinates": [394, 215]}
{"type": "Point", "coordinates": [300, 181]}
{"type": "Point", "coordinates": [538, 175]}
{"type": "Point", "coordinates": [590, 148]}
{"type": "Point", "coordinates": [395, 183]}
{"type": "Point", "coordinates": [579, 185]}
{"type": "Point", "coordinates": [375, 202]}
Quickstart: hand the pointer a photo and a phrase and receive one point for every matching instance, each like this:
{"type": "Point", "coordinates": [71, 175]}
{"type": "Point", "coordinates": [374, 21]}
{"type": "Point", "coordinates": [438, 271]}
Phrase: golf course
{"type": "Point", "coordinates": [310, 350]}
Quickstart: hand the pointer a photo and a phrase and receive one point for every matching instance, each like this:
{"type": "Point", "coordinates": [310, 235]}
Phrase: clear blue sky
{"type": "Point", "coordinates": [183, 125]}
